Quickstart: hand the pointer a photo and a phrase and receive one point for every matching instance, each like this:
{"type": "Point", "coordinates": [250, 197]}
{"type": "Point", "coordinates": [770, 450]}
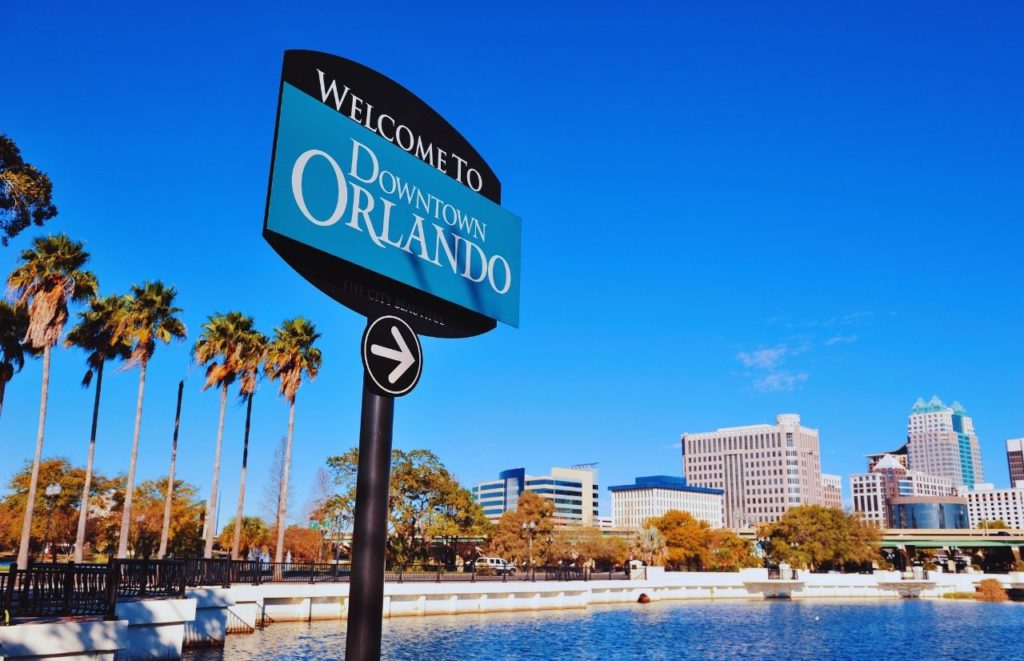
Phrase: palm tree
{"type": "Point", "coordinates": [97, 333]}
{"type": "Point", "coordinates": [13, 326]}
{"type": "Point", "coordinates": [219, 348]}
{"type": "Point", "coordinates": [289, 355]}
{"type": "Point", "coordinates": [49, 275]}
{"type": "Point", "coordinates": [250, 359]}
{"type": "Point", "coordinates": [150, 316]}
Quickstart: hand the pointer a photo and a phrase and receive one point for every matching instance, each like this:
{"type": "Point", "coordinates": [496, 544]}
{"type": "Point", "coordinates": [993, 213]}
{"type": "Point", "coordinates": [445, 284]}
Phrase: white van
{"type": "Point", "coordinates": [495, 566]}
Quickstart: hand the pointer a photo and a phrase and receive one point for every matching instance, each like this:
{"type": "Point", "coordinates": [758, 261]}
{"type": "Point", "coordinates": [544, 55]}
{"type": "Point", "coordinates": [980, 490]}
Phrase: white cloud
{"type": "Point", "coordinates": [780, 381]}
{"type": "Point", "coordinates": [764, 359]}
{"type": "Point", "coordinates": [841, 339]}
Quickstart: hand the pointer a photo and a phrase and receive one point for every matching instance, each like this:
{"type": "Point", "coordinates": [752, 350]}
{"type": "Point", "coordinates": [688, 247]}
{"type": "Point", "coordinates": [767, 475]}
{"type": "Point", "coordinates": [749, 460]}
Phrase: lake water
{"type": "Point", "coordinates": [672, 630]}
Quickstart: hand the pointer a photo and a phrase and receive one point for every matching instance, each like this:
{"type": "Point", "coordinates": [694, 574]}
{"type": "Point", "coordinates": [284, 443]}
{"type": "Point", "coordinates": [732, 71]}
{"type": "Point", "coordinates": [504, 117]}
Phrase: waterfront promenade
{"type": "Point", "coordinates": [207, 616]}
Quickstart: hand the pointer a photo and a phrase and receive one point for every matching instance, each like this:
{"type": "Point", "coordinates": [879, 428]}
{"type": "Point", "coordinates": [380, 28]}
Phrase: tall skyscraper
{"type": "Point", "coordinates": [573, 491]}
{"type": "Point", "coordinates": [763, 469]}
{"type": "Point", "coordinates": [1015, 459]}
{"type": "Point", "coordinates": [941, 442]}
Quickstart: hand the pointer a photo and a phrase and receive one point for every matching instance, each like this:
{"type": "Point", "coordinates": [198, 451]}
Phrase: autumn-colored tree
{"type": "Point", "coordinates": [148, 513]}
{"type": "Point", "coordinates": [49, 276]}
{"type": "Point", "coordinates": [61, 509]}
{"type": "Point", "coordinates": [511, 542]}
{"type": "Point", "coordinates": [820, 538]}
{"type": "Point", "coordinates": [730, 552]}
{"type": "Point", "coordinates": [991, 589]}
{"type": "Point", "coordinates": [587, 546]}
{"type": "Point", "coordinates": [303, 543]}
{"type": "Point", "coordinates": [457, 521]}
{"type": "Point", "coordinates": [687, 540]}
{"type": "Point", "coordinates": [25, 192]}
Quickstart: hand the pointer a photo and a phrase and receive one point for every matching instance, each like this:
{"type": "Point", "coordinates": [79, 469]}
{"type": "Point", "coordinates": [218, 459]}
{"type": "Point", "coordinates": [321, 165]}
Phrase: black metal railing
{"type": "Point", "coordinates": [56, 590]}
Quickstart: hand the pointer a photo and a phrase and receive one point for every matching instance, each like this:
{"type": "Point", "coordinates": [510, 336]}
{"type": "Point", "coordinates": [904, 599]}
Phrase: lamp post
{"type": "Point", "coordinates": [52, 491]}
{"type": "Point", "coordinates": [528, 528]}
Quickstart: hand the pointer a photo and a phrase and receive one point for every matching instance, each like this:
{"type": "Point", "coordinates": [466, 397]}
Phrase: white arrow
{"type": "Point", "coordinates": [402, 355]}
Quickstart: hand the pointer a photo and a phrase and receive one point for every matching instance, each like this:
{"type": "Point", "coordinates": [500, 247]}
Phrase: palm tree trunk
{"type": "Point", "coordinates": [126, 515]}
{"type": "Point", "coordinates": [83, 510]}
{"type": "Point", "coordinates": [282, 499]}
{"type": "Point", "coordinates": [165, 529]}
{"type": "Point", "coordinates": [236, 540]}
{"type": "Point", "coordinates": [3, 388]}
{"type": "Point", "coordinates": [211, 505]}
{"type": "Point", "coordinates": [26, 525]}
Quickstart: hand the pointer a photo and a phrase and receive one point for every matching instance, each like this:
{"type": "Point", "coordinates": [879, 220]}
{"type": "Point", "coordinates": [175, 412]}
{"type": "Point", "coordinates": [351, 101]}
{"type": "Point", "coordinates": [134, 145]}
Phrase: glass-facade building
{"type": "Point", "coordinates": [941, 441]}
{"type": "Point", "coordinates": [573, 491]}
{"type": "Point", "coordinates": [929, 512]}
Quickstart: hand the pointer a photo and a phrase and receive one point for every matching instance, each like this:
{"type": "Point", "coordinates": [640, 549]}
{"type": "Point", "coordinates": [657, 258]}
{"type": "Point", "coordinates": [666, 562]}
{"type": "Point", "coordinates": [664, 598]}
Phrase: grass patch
{"type": "Point", "coordinates": [960, 595]}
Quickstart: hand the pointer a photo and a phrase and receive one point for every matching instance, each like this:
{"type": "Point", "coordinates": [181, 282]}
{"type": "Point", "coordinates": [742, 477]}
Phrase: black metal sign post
{"type": "Point", "coordinates": [392, 362]}
{"type": "Point", "coordinates": [370, 529]}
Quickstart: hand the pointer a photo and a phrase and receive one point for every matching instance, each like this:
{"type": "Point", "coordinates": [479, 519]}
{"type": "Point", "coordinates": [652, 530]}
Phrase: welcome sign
{"type": "Point", "coordinates": [381, 204]}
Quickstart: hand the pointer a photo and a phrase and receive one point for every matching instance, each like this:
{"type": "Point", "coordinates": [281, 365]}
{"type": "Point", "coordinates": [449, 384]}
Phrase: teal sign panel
{"type": "Point", "coordinates": [356, 195]}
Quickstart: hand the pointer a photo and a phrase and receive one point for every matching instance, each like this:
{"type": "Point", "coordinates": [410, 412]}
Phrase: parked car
{"type": "Point", "coordinates": [495, 566]}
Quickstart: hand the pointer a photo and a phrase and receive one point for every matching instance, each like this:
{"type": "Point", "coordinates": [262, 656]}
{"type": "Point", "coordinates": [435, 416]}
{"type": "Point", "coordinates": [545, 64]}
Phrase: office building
{"type": "Point", "coordinates": [633, 504]}
{"type": "Point", "coordinates": [888, 479]}
{"type": "Point", "coordinates": [941, 441]}
{"type": "Point", "coordinates": [1015, 459]}
{"type": "Point", "coordinates": [573, 491]}
{"type": "Point", "coordinates": [764, 470]}
{"type": "Point", "coordinates": [832, 491]}
{"type": "Point", "coordinates": [899, 454]}
{"type": "Point", "coordinates": [929, 512]}
{"type": "Point", "coordinates": [985, 503]}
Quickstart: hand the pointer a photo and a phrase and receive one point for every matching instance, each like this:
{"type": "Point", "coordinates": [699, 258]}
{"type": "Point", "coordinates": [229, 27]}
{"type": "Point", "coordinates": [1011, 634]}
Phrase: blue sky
{"type": "Point", "coordinates": [728, 212]}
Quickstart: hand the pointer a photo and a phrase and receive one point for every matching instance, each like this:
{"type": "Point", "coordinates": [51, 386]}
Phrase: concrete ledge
{"type": "Point", "coordinates": [156, 628]}
{"type": "Point", "coordinates": [78, 640]}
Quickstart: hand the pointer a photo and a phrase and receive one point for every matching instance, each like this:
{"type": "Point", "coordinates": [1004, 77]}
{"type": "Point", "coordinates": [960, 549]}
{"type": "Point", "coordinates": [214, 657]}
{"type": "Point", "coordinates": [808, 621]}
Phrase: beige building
{"type": "Point", "coordinates": [764, 470]}
{"type": "Point", "coordinates": [889, 479]}
{"type": "Point", "coordinates": [647, 497]}
{"type": "Point", "coordinates": [986, 503]}
{"type": "Point", "coordinates": [941, 441]}
{"type": "Point", "coordinates": [832, 491]}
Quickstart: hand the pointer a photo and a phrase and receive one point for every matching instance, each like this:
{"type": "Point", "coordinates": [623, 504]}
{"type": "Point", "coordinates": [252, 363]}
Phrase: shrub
{"type": "Point", "coordinates": [991, 590]}
{"type": "Point", "coordinates": [960, 595]}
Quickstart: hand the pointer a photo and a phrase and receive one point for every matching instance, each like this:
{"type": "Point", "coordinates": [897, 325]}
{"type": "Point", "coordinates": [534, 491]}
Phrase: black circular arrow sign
{"type": "Point", "coordinates": [392, 355]}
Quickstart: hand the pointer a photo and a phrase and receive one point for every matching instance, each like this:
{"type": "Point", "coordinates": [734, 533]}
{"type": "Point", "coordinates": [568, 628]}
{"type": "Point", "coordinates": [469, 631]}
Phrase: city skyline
{"type": "Point", "coordinates": [703, 320]}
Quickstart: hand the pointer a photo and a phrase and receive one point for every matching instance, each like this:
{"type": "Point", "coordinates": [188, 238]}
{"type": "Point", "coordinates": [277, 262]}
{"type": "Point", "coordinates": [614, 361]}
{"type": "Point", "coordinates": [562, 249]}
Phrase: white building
{"type": "Point", "coordinates": [573, 491]}
{"type": "Point", "coordinates": [764, 470]}
{"type": "Point", "coordinates": [832, 490]}
{"type": "Point", "coordinates": [889, 478]}
{"type": "Point", "coordinates": [986, 503]}
{"type": "Point", "coordinates": [633, 504]}
{"type": "Point", "coordinates": [941, 441]}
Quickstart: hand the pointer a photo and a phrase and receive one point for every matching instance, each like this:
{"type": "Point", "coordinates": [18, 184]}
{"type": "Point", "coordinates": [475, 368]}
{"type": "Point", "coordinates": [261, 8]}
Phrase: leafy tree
{"type": "Point", "coordinates": [252, 534]}
{"type": "Point", "coordinates": [49, 275]}
{"type": "Point", "coordinates": [57, 470]}
{"type": "Point", "coordinates": [730, 552]}
{"type": "Point", "coordinates": [821, 538]}
{"type": "Point", "coordinates": [994, 524]}
{"type": "Point", "coordinates": [251, 353]}
{"type": "Point", "coordinates": [25, 192]}
{"type": "Point", "coordinates": [512, 543]}
{"type": "Point", "coordinates": [97, 333]}
{"type": "Point", "coordinates": [291, 355]}
{"type": "Point", "coordinates": [304, 543]}
{"type": "Point", "coordinates": [150, 316]}
{"type": "Point", "coordinates": [13, 326]}
{"type": "Point", "coordinates": [220, 348]}
{"type": "Point", "coordinates": [687, 540]}
{"type": "Point", "coordinates": [424, 502]}
{"type": "Point", "coordinates": [649, 545]}
{"type": "Point", "coordinates": [587, 546]}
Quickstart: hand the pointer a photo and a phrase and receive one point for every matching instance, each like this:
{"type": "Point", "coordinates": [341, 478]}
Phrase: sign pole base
{"type": "Point", "coordinates": [370, 527]}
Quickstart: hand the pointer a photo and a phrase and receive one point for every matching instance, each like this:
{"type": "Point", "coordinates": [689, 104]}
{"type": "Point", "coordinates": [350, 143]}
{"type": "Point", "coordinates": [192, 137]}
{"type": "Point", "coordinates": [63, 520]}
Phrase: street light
{"type": "Point", "coordinates": [528, 528]}
{"type": "Point", "coordinates": [52, 491]}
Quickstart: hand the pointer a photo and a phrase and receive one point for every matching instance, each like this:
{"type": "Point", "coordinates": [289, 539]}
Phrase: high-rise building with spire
{"type": "Point", "coordinates": [941, 442]}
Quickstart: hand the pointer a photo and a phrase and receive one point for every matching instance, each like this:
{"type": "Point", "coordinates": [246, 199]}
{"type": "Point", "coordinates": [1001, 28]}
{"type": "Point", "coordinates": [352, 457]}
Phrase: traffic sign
{"type": "Point", "coordinates": [392, 355]}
